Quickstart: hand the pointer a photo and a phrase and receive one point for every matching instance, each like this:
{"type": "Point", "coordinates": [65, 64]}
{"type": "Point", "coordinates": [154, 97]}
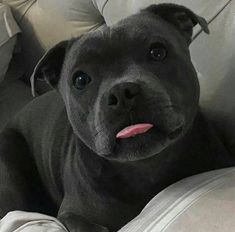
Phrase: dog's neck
{"type": "Point", "coordinates": [141, 178]}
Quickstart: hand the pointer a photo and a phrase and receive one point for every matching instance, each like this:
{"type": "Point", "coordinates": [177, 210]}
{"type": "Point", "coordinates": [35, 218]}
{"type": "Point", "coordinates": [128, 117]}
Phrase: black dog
{"type": "Point", "coordinates": [121, 125]}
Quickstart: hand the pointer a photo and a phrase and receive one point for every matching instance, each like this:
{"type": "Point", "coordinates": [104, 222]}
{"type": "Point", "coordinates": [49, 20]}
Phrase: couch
{"type": "Point", "coordinates": [205, 202]}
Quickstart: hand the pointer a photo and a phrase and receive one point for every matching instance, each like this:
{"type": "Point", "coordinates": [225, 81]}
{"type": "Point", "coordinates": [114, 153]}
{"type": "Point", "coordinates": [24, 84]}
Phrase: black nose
{"type": "Point", "coordinates": [123, 93]}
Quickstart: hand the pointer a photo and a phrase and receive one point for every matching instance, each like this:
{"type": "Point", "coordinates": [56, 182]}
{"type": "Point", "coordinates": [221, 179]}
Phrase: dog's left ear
{"type": "Point", "coordinates": [180, 17]}
{"type": "Point", "coordinates": [50, 65]}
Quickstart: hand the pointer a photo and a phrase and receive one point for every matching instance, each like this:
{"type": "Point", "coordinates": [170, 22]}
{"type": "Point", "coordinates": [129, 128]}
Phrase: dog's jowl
{"type": "Point", "coordinates": [121, 124]}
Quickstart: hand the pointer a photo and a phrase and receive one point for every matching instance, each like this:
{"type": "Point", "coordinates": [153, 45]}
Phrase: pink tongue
{"type": "Point", "coordinates": [134, 130]}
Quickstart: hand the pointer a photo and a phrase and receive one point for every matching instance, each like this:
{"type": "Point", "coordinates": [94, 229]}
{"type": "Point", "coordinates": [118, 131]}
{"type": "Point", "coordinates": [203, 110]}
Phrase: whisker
{"type": "Point", "coordinates": [99, 130]}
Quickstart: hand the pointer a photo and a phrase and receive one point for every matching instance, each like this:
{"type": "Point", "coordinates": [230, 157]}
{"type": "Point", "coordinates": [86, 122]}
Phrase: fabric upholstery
{"type": "Point", "coordinates": [8, 32]}
{"type": "Point", "coordinates": [204, 203]}
{"type": "Point", "coordinates": [45, 23]}
{"type": "Point", "coordinates": [202, 206]}
{"type": "Point", "coordinates": [19, 221]}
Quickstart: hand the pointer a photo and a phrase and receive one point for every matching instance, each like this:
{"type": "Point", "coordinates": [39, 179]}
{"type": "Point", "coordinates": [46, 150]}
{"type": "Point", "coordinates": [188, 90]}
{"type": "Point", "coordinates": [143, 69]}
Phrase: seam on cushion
{"type": "Point", "coordinates": [94, 2]}
{"type": "Point", "coordinates": [210, 184]}
{"type": "Point", "coordinates": [102, 10]}
{"type": "Point", "coordinates": [189, 205]}
{"type": "Point", "coordinates": [220, 11]}
{"type": "Point", "coordinates": [154, 221]}
{"type": "Point", "coordinates": [22, 17]}
{"type": "Point", "coordinates": [212, 18]}
{"type": "Point", "coordinates": [9, 31]}
{"type": "Point", "coordinates": [29, 218]}
{"type": "Point", "coordinates": [8, 39]}
{"type": "Point", "coordinates": [39, 222]}
{"type": "Point", "coordinates": [174, 205]}
{"type": "Point", "coordinates": [96, 8]}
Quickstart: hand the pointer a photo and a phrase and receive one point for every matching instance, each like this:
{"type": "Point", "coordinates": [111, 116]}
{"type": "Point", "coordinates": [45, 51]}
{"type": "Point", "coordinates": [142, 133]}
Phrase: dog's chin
{"type": "Point", "coordinates": [141, 146]}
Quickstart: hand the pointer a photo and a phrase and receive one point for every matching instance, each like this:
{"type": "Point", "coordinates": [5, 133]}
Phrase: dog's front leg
{"type": "Point", "coordinates": [17, 173]}
{"type": "Point", "coordinates": [77, 223]}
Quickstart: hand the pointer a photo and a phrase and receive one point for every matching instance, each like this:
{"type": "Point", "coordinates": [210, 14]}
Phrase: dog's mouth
{"type": "Point", "coordinates": [142, 128]}
{"type": "Point", "coordinates": [137, 138]}
{"type": "Point", "coordinates": [134, 130]}
{"type": "Point", "coordinates": [142, 140]}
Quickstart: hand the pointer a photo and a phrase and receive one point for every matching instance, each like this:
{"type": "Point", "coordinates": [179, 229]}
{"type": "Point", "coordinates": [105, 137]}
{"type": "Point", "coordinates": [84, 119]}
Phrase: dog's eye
{"type": "Point", "coordinates": [158, 52]}
{"type": "Point", "coordinates": [80, 80]}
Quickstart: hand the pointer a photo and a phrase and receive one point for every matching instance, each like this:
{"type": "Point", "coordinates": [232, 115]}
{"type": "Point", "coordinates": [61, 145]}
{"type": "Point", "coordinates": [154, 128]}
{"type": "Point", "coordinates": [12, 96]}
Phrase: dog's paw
{"type": "Point", "coordinates": [76, 223]}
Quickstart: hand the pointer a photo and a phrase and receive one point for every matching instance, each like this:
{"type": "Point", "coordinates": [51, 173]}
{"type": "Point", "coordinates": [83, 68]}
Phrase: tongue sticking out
{"type": "Point", "coordinates": [133, 130]}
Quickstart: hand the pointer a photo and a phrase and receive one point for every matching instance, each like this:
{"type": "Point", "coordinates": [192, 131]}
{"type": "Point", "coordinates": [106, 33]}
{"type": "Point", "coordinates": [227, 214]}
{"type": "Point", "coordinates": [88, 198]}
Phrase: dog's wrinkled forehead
{"type": "Point", "coordinates": [137, 31]}
{"type": "Point", "coordinates": [158, 28]}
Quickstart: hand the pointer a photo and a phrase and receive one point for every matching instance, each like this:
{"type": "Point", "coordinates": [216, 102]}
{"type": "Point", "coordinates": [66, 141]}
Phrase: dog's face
{"type": "Point", "coordinates": [137, 72]}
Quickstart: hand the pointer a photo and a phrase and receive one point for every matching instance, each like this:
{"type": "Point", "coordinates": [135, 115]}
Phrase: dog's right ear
{"type": "Point", "coordinates": [50, 65]}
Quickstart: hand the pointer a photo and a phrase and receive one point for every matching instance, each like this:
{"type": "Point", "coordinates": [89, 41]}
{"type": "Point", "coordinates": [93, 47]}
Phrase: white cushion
{"type": "Point", "coordinates": [204, 203]}
{"type": "Point", "coordinates": [214, 57]}
{"type": "Point", "coordinates": [19, 221]}
{"type": "Point", "coordinates": [8, 31]}
{"type": "Point", "coordinates": [113, 10]}
{"type": "Point", "coordinates": [44, 23]}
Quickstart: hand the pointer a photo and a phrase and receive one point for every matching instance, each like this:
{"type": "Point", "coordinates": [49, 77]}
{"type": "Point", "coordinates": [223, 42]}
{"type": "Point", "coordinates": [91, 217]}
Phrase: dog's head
{"type": "Point", "coordinates": [137, 73]}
